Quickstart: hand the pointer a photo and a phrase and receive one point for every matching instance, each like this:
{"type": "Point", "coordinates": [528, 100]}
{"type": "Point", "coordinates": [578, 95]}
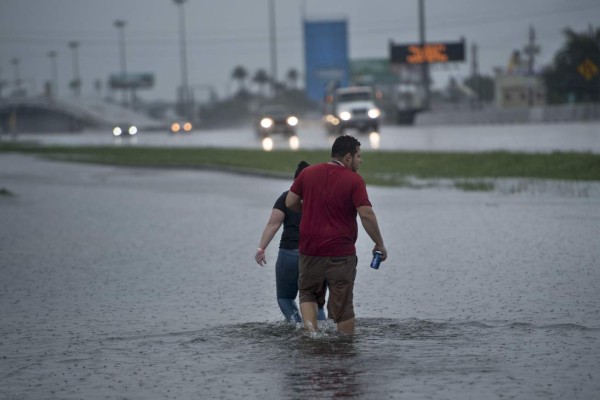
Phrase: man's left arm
{"type": "Point", "coordinates": [369, 222]}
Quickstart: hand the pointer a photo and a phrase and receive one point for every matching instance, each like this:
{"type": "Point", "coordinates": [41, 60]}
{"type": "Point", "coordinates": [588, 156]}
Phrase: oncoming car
{"type": "Point", "coordinates": [124, 130]}
{"type": "Point", "coordinates": [275, 119]}
{"type": "Point", "coordinates": [181, 127]}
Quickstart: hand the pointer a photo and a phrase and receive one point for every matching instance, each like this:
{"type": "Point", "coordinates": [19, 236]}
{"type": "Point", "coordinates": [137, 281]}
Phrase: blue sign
{"type": "Point", "coordinates": [326, 56]}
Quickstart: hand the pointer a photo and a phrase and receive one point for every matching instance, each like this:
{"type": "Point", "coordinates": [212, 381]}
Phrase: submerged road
{"type": "Point", "coordinates": [544, 138]}
{"type": "Point", "coordinates": [141, 283]}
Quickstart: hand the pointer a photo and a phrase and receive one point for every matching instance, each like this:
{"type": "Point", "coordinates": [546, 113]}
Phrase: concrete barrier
{"type": "Point", "coordinates": [555, 113]}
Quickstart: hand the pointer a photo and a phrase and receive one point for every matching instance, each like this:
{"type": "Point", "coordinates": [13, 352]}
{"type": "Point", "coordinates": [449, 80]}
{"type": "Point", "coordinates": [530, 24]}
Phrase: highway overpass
{"type": "Point", "coordinates": [74, 114]}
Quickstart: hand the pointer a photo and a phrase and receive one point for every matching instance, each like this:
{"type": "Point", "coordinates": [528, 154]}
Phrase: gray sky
{"type": "Point", "coordinates": [224, 33]}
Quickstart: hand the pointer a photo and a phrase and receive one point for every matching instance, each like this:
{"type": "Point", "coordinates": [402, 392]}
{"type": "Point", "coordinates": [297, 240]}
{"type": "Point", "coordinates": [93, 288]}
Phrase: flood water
{"type": "Point", "coordinates": [141, 283]}
{"type": "Point", "coordinates": [529, 138]}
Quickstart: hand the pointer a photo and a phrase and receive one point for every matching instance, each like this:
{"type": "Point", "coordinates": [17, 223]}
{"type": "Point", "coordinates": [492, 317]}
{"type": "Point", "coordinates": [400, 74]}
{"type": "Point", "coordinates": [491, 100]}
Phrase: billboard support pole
{"type": "Point", "coordinates": [425, 64]}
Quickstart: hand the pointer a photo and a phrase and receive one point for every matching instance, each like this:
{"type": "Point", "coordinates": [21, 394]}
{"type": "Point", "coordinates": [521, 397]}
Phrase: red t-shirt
{"type": "Point", "coordinates": [331, 194]}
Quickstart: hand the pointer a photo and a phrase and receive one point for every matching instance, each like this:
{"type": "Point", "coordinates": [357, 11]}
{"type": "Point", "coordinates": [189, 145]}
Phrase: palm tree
{"type": "Point", "coordinates": [261, 79]}
{"type": "Point", "coordinates": [240, 74]}
{"type": "Point", "coordinates": [292, 77]}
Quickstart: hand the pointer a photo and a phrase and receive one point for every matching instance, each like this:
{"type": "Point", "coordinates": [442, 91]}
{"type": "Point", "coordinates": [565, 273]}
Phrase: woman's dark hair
{"type": "Point", "coordinates": [301, 165]}
{"type": "Point", "coordinates": [344, 145]}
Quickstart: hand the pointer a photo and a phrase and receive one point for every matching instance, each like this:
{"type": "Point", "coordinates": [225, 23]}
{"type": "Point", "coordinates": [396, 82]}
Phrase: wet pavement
{"type": "Point", "coordinates": [140, 283]}
{"type": "Point", "coordinates": [544, 138]}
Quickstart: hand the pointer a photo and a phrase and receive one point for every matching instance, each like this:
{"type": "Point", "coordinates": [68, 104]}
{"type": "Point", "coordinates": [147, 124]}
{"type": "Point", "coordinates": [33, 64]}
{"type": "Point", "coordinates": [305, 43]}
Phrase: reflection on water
{"type": "Point", "coordinates": [386, 358]}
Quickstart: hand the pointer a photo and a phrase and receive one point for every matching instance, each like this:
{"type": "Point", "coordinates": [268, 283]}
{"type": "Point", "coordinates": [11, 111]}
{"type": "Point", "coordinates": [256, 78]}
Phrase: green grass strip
{"type": "Point", "coordinates": [379, 167]}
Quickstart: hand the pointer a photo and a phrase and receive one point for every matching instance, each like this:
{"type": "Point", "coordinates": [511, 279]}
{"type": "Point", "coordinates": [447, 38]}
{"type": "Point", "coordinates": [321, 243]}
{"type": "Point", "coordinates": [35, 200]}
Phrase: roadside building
{"type": "Point", "coordinates": [516, 87]}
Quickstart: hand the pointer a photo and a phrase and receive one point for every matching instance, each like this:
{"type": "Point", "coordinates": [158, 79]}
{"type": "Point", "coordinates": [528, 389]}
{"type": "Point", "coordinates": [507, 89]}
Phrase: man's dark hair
{"type": "Point", "coordinates": [301, 165]}
{"type": "Point", "coordinates": [344, 145]}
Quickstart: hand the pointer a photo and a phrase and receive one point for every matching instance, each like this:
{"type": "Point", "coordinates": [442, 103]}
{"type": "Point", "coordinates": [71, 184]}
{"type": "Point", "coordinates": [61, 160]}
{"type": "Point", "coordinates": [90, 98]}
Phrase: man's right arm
{"type": "Point", "coordinates": [293, 201]}
{"type": "Point", "coordinates": [369, 222]}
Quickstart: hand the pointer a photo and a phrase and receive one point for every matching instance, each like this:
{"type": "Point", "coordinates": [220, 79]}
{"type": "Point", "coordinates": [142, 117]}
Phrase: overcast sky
{"type": "Point", "coordinates": [224, 33]}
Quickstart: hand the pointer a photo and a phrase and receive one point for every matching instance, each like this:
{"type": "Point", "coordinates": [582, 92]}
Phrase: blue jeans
{"type": "Point", "coordinates": [286, 277]}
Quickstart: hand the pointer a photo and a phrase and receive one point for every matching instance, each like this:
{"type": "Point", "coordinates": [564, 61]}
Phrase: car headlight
{"type": "Point", "coordinates": [132, 130]}
{"type": "Point", "coordinates": [374, 113]}
{"type": "Point", "coordinates": [187, 126]}
{"type": "Point", "coordinates": [175, 127]}
{"type": "Point", "coordinates": [117, 131]}
{"type": "Point", "coordinates": [266, 122]}
{"type": "Point", "coordinates": [345, 115]}
{"type": "Point", "coordinates": [292, 121]}
{"type": "Point", "coordinates": [332, 119]}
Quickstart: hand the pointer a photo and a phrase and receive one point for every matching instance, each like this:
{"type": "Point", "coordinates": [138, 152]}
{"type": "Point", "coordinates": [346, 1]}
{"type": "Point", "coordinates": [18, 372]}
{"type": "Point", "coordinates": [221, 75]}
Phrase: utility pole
{"type": "Point", "coordinates": [120, 25]}
{"type": "Point", "coordinates": [15, 62]}
{"type": "Point", "coordinates": [304, 18]}
{"type": "Point", "coordinates": [273, 47]}
{"type": "Point", "coordinates": [52, 55]}
{"type": "Point", "coordinates": [184, 93]}
{"type": "Point", "coordinates": [475, 71]}
{"type": "Point", "coordinates": [2, 83]}
{"type": "Point", "coordinates": [76, 84]}
{"type": "Point", "coordinates": [474, 61]}
{"type": "Point", "coordinates": [531, 49]}
{"type": "Point", "coordinates": [425, 64]}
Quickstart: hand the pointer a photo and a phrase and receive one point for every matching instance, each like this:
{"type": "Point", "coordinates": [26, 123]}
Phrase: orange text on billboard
{"type": "Point", "coordinates": [429, 53]}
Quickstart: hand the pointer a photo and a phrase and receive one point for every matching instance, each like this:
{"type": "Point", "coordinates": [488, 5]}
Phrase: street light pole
{"type": "Point", "coordinates": [184, 94]}
{"type": "Point", "coordinates": [15, 61]}
{"type": "Point", "coordinates": [273, 47]}
{"type": "Point", "coordinates": [52, 55]}
{"type": "Point", "coordinates": [76, 84]}
{"type": "Point", "coordinates": [120, 25]}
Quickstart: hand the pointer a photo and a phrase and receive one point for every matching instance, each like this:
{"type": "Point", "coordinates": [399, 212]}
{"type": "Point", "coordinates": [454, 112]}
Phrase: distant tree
{"type": "Point", "coordinates": [240, 74]}
{"type": "Point", "coordinates": [483, 86]}
{"type": "Point", "coordinates": [574, 76]}
{"type": "Point", "coordinates": [261, 78]}
{"type": "Point", "coordinates": [292, 78]}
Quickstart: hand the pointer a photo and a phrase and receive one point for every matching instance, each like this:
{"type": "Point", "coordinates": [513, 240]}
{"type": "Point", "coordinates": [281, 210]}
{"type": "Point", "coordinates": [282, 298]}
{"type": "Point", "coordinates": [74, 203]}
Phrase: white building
{"type": "Point", "coordinates": [516, 87]}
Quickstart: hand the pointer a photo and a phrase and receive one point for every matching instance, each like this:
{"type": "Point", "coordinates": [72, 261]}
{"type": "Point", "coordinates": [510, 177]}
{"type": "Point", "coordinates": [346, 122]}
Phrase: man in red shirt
{"type": "Point", "coordinates": [330, 196]}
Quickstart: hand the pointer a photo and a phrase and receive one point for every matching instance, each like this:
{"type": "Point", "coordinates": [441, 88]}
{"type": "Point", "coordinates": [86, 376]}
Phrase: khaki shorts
{"type": "Point", "coordinates": [339, 273]}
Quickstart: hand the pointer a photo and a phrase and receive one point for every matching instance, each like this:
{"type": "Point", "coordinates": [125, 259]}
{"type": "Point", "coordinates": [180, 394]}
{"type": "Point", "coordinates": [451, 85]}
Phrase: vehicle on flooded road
{"type": "Point", "coordinates": [352, 108]}
{"type": "Point", "coordinates": [181, 127]}
{"type": "Point", "coordinates": [273, 119]}
{"type": "Point", "coordinates": [124, 130]}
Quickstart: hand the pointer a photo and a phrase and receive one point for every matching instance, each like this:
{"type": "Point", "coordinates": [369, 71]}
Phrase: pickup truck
{"type": "Point", "coordinates": [352, 108]}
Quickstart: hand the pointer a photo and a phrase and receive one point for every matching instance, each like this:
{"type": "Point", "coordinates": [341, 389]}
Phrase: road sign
{"type": "Point", "coordinates": [587, 69]}
{"type": "Point", "coordinates": [132, 80]}
{"type": "Point", "coordinates": [372, 70]}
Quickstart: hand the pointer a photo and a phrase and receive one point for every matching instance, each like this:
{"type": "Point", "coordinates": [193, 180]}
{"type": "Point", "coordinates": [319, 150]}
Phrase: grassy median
{"type": "Point", "coordinates": [470, 171]}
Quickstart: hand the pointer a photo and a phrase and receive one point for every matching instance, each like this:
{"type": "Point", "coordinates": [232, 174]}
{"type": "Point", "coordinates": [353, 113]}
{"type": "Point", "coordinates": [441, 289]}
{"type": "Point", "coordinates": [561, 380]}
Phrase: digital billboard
{"type": "Point", "coordinates": [430, 53]}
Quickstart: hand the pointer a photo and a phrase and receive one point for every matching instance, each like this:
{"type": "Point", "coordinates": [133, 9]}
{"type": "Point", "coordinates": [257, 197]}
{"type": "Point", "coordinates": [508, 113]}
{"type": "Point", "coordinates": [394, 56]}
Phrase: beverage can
{"type": "Point", "coordinates": [376, 260]}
